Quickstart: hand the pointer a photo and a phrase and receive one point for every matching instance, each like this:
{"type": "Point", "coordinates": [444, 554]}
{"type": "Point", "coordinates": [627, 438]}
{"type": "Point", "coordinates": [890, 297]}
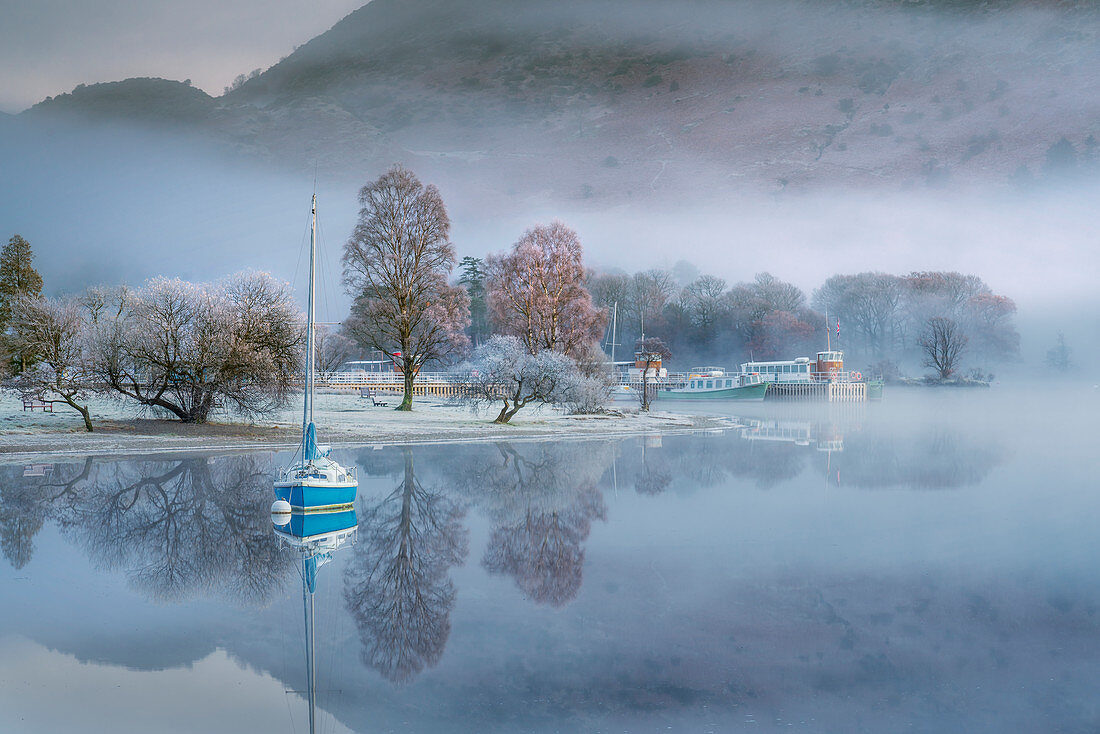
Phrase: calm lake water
{"type": "Point", "coordinates": [925, 564]}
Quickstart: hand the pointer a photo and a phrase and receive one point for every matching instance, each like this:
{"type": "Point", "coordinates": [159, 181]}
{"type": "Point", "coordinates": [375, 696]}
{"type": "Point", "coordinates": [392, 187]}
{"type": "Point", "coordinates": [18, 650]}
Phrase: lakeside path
{"type": "Point", "coordinates": [342, 419]}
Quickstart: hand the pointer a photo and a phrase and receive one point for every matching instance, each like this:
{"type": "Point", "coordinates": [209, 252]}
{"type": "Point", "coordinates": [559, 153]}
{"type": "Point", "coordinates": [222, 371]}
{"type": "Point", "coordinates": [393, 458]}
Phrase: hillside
{"type": "Point", "coordinates": [619, 99]}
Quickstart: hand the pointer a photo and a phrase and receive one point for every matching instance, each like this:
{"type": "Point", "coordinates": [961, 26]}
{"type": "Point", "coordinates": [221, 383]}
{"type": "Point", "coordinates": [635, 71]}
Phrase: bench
{"type": "Point", "coordinates": [366, 393]}
{"type": "Point", "coordinates": [31, 404]}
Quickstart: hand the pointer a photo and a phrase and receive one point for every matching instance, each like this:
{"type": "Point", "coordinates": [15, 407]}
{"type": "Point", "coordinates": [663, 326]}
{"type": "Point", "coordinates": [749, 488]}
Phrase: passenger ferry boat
{"type": "Point", "coordinates": [822, 378]}
{"type": "Point", "coordinates": [714, 383]}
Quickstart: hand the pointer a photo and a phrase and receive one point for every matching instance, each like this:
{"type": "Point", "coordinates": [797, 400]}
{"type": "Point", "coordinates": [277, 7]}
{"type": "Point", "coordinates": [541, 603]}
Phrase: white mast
{"type": "Point", "coordinates": [307, 408]}
{"type": "Point", "coordinates": [614, 328]}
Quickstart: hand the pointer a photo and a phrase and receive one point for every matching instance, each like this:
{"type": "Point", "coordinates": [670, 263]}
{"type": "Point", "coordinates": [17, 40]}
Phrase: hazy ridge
{"type": "Point", "coordinates": [618, 99]}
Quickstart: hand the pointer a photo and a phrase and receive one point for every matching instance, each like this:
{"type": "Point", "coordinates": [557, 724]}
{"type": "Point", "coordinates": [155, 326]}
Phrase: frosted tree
{"type": "Point", "coordinates": [536, 292]}
{"type": "Point", "coordinates": [56, 333]}
{"type": "Point", "coordinates": [502, 371]}
{"type": "Point", "coordinates": [183, 348]}
{"type": "Point", "coordinates": [396, 265]}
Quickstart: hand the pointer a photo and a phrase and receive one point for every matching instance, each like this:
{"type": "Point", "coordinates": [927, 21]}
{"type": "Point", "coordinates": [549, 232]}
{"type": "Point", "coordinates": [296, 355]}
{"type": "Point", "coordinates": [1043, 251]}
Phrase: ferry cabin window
{"type": "Point", "coordinates": [729, 383]}
{"type": "Point", "coordinates": [710, 383]}
{"type": "Point", "coordinates": [692, 385]}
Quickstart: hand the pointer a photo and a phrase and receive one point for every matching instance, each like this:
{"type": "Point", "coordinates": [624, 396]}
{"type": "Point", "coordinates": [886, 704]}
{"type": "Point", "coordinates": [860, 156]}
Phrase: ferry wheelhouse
{"type": "Point", "coordinates": [827, 367]}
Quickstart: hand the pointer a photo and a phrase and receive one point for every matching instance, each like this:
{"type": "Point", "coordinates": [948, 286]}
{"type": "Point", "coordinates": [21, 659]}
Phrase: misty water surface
{"type": "Point", "coordinates": [926, 564]}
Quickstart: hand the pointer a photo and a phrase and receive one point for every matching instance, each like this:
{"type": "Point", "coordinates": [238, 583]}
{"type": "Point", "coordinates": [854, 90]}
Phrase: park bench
{"type": "Point", "coordinates": [31, 404]}
{"type": "Point", "coordinates": [367, 393]}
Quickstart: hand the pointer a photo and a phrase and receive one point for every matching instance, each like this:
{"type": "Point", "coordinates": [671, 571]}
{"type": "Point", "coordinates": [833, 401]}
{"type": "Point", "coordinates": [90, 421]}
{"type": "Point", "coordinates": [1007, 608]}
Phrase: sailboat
{"type": "Point", "coordinates": [316, 535]}
{"type": "Point", "coordinates": [314, 482]}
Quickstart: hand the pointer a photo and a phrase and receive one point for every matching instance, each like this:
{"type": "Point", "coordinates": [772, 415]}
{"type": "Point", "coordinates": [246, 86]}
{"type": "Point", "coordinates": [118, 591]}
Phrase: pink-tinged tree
{"type": "Point", "coordinates": [988, 319]}
{"type": "Point", "coordinates": [536, 292]}
{"type": "Point", "coordinates": [396, 265]}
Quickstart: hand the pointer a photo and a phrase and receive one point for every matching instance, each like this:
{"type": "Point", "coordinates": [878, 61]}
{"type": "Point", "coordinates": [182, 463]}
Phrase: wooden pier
{"type": "Point", "coordinates": [440, 385]}
{"type": "Point", "coordinates": [830, 392]}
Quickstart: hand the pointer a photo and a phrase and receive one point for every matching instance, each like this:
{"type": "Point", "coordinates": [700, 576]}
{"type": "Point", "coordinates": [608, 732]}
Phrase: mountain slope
{"type": "Point", "coordinates": [618, 99]}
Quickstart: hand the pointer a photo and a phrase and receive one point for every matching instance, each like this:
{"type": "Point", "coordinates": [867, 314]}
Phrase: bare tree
{"type": "Point", "coordinates": [705, 306]}
{"type": "Point", "coordinates": [501, 370]}
{"type": "Point", "coordinates": [55, 332]}
{"type": "Point", "coordinates": [332, 348]}
{"type": "Point", "coordinates": [182, 348]}
{"type": "Point", "coordinates": [536, 292]}
{"type": "Point", "coordinates": [651, 351]}
{"type": "Point", "coordinates": [396, 265]}
{"type": "Point", "coordinates": [942, 343]}
{"type": "Point", "coordinates": [869, 303]}
{"type": "Point", "coordinates": [649, 293]}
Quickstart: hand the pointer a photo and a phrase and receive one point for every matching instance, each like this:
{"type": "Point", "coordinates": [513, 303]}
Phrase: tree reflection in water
{"type": "Point", "coordinates": [396, 585]}
{"type": "Point", "coordinates": [177, 529]}
{"type": "Point", "coordinates": [543, 498]}
{"type": "Point", "coordinates": [27, 502]}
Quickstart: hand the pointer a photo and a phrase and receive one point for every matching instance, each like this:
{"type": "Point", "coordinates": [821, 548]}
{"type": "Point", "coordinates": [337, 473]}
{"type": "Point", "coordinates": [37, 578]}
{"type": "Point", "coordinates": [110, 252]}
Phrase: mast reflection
{"type": "Point", "coordinates": [315, 536]}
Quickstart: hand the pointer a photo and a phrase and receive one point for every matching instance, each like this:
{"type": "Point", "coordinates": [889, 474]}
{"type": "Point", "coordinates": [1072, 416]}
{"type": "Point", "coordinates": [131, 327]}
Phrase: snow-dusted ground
{"type": "Point", "coordinates": [341, 418]}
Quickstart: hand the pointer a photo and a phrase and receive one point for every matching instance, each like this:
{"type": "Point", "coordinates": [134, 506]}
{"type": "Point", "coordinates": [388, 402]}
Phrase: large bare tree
{"type": "Point", "coordinates": [942, 342]}
{"type": "Point", "coordinates": [396, 265]}
{"type": "Point", "coordinates": [183, 348]}
{"type": "Point", "coordinates": [537, 293]}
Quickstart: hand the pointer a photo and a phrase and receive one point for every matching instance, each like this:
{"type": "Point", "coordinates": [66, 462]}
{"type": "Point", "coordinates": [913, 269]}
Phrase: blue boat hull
{"type": "Point", "coordinates": [306, 497]}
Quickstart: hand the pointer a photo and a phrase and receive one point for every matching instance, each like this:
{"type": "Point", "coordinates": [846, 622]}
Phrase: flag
{"type": "Point", "coordinates": [838, 328]}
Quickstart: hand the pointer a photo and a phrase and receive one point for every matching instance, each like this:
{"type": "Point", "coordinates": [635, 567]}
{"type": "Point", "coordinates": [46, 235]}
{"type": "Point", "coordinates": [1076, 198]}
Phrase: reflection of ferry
{"type": "Point", "coordinates": [823, 436]}
{"type": "Point", "coordinates": [714, 383]}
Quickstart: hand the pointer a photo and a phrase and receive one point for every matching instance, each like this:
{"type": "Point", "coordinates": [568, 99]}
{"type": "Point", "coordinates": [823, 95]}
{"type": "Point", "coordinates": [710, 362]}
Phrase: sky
{"type": "Point", "coordinates": [50, 46]}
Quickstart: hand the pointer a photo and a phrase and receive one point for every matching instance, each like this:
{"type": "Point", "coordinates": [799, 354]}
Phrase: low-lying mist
{"type": "Point", "coordinates": [111, 205]}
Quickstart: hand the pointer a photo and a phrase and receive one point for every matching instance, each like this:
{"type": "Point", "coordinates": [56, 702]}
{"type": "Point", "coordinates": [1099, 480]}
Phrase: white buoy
{"type": "Point", "coordinates": [280, 512]}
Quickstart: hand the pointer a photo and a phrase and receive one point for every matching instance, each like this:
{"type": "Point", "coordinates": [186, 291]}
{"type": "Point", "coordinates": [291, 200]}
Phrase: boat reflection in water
{"type": "Point", "coordinates": [316, 536]}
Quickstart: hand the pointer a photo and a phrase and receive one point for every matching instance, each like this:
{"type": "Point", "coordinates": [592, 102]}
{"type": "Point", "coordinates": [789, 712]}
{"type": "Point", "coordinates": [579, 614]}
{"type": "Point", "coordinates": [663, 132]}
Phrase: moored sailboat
{"type": "Point", "coordinates": [314, 482]}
